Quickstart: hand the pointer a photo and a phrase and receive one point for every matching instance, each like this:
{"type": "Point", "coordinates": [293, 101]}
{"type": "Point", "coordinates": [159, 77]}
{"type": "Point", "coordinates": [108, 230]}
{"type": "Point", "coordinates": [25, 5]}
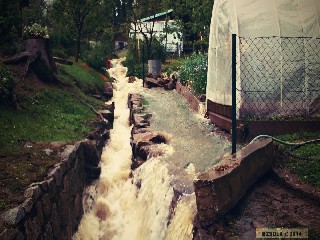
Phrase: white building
{"type": "Point", "coordinates": [157, 24]}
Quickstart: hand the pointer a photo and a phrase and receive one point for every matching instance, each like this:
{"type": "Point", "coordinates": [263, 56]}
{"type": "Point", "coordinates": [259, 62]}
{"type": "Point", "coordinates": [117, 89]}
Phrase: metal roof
{"type": "Point", "coordinates": [155, 16]}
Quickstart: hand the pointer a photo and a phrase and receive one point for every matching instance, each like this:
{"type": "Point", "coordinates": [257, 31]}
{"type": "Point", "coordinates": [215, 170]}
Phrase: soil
{"type": "Point", "coordinates": [31, 164]}
{"type": "Point", "coordinates": [271, 203]}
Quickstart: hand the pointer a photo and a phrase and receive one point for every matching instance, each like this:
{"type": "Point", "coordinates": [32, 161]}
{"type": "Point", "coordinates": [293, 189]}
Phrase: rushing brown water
{"type": "Point", "coordinates": [136, 207]}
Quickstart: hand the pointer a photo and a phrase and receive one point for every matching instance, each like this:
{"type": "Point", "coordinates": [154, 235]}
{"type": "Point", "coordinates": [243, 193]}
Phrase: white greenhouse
{"type": "Point", "coordinates": [278, 58]}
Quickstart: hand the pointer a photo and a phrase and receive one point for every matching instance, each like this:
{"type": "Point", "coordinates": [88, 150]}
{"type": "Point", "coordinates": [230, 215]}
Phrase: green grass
{"type": "Point", "coordinates": [55, 113]}
{"type": "Point", "coordinates": [50, 115]}
{"type": "Point", "coordinates": [308, 170]}
{"type": "Point", "coordinates": [86, 79]}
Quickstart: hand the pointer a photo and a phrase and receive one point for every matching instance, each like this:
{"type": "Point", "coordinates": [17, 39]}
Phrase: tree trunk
{"type": "Point", "coordinates": [39, 59]}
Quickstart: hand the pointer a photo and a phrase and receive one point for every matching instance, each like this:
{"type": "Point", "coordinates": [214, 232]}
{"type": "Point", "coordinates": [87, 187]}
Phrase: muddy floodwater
{"type": "Point", "coordinates": [157, 200]}
{"type": "Point", "coordinates": [191, 134]}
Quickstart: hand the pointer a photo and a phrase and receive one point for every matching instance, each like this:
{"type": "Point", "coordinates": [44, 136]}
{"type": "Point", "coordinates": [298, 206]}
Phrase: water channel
{"type": "Point", "coordinates": [156, 201]}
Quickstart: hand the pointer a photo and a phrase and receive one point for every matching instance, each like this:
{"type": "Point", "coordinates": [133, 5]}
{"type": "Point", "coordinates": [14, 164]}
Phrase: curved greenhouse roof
{"type": "Point", "coordinates": [264, 19]}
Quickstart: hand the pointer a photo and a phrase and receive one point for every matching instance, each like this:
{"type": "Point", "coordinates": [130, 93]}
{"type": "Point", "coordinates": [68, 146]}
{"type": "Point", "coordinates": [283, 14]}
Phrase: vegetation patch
{"type": "Point", "coordinates": [306, 160]}
{"type": "Point", "coordinates": [193, 72]}
{"type": "Point", "coordinates": [48, 117]}
{"type": "Point", "coordinates": [7, 85]}
{"type": "Point", "coordinates": [86, 78]}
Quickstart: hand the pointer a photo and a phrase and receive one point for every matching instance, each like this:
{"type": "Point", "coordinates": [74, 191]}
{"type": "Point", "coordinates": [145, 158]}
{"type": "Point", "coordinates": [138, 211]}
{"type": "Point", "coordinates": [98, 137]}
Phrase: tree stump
{"type": "Point", "coordinates": [39, 59]}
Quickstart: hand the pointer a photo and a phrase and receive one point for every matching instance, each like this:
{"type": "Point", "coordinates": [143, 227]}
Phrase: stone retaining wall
{"type": "Point", "coordinates": [219, 189]}
{"type": "Point", "coordinates": [53, 208]}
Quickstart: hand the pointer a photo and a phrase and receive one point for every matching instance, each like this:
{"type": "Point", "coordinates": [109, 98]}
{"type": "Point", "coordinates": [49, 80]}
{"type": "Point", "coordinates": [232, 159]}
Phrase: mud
{"type": "Point", "coordinates": [269, 204]}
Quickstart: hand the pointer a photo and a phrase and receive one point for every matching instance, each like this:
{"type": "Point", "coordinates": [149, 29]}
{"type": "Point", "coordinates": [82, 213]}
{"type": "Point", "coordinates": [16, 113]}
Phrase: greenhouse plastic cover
{"type": "Point", "coordinates": [260, 18]}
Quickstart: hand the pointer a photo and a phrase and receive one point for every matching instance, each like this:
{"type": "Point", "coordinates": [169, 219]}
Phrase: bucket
{"type": "Point", "coordinates": [154, 67]}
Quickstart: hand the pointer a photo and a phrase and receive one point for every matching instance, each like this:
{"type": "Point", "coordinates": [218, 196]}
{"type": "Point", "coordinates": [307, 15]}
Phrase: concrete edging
{"type": "Point", "coordinates": [220, 188]}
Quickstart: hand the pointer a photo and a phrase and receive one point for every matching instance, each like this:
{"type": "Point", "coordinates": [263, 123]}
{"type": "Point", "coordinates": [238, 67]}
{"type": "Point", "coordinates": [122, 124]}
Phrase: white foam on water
{"type": "Point", "coordinates": [136, 207]}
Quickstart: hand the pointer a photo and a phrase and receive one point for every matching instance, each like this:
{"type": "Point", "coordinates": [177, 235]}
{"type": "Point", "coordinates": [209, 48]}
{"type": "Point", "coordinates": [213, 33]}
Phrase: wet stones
{"type": "Point", "coordinates": [131, 79]}
{"type": "Point", "coordinates": [162, 82]}
{"type": "Point", "coordinates": [143, 139]}
{"type": "Point", "coordinates": [108, 90]}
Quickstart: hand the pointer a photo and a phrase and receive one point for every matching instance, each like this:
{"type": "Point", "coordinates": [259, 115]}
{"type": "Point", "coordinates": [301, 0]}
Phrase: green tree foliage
{"type": "Point", "coordinates": [75, 13]}
{"type": "Point", "coordinates": [142, 9]}
{"type": "Point", "coordinates": [195, 17]}
{"type": "Point", "coordinates": [7, 85]}
{"type": "Point", "coordinates": [10, 24]}
{"type": "Point", "coordinates": [35, 12]}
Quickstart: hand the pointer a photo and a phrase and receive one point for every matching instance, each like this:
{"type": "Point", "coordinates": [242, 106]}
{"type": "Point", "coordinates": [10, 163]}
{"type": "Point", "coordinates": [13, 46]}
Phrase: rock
{"type": "Point", "coordinates": [99, 126]}
{"type": "Point", "coordinates": [143, 151]}
{"type": "Point", "coordinates": [106, 135]}
{"type": "Point", "coordinates": [28, 145]}
{"type": "Point", "coordinates": [48, 234]}
{"type": "Point", "coordinates": [137, 163]}
{"type": "Point", "coordinates": [52, 188]}
{"type": "Point", "coordinates": [149, 137]}
{"type": "Point", "coordinates": [170, 85]}
{"type": "Point", "coordinates": [55, 223]}
{"type": "Point", "coordinates": [90, 153]}
{"type": "Point", "coordinates": [27, 205]}
{"type": "Point", "coordinates": [46, 206]}
{"type": "Point", "coordinates": [108, 106]}
{"type": "Point", "coordinates": [202, 98]}
{"type": "Point", "coordinates": [139, 120]}
{"type": "Point", "coordinates": [161, 81]}
{"type": "Point", "coordinates": [48, 152]}
{"type": "Point", "coordinates": [136, 130]}
{"type": "Point", "coordinates": [107, 114]}
{"type": "Point", "coordinates": [11, 234]}
{"type": "Point", "coordinates": [56, 175]}
{"type": "Point", "coordinates": [43, 185]}
{"type": "Point", "coordinates": [131, 79]}
{"type": "Point", "coordinates": [108, 90]}
{"type": "Point", "coordinates": [151, 82]}
{"type": "Point", "coordinates": [13, 216]}
{"type": "Point", "coordinates": [57, 144]}
{"type": "Point", "coordinates": [93, 172]}
{"type": "Point", "coordinates": [32, 192]}
{"type": "Point", "coordinates": [67, 151]}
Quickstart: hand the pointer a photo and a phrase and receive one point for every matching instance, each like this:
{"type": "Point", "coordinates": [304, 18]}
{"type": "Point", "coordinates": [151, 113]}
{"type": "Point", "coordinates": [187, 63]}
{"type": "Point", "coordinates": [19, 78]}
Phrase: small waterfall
{"type": "Point", "coordinates": [147, 204]}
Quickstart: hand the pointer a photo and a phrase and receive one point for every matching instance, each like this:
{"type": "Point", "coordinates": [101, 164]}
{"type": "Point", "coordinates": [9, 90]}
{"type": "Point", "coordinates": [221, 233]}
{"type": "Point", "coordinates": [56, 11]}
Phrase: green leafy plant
{"type": "Point", "coordinates": [7, 85]}
{"type": "Point", "coordinates": [193, 72]}
{"type": "Point", "coordinates": [35, 31]}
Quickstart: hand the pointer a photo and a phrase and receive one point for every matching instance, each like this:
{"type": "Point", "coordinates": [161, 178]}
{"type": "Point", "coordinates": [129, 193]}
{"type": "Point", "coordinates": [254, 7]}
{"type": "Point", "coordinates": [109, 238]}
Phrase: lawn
{"type": "Point", "coordinates": [306, 160]}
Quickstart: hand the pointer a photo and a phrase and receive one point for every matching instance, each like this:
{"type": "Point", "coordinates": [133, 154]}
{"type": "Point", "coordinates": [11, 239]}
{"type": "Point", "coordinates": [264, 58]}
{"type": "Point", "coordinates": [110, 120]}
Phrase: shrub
{"type": "Point", "coordinates": [193, 72]}
{"type": "Point", "coordinates": [95, 53]}
{"type": "Point", "coordinates": [59, 53]}
{"type": "Point", "coordinates": [134, 67]}
{"type": "Point", "coordinates": [7, 85]}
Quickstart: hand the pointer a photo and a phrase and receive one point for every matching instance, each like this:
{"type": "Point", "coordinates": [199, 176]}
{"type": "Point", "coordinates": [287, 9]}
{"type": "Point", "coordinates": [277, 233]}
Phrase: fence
{"type": "Point", "coordinates": [275, 78]}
